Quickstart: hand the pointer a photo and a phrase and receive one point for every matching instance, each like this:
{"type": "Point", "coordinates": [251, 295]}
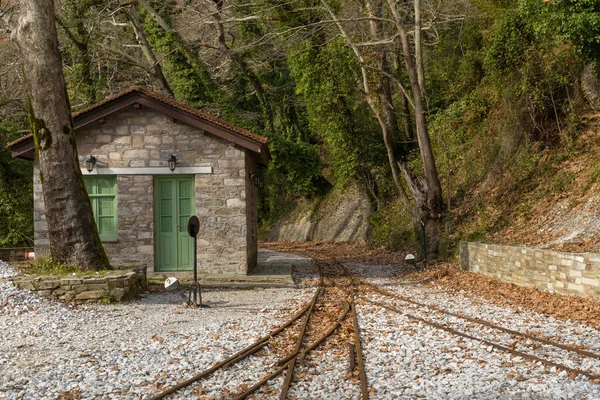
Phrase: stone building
{"type": "Point", "coordinates": [141, 206]}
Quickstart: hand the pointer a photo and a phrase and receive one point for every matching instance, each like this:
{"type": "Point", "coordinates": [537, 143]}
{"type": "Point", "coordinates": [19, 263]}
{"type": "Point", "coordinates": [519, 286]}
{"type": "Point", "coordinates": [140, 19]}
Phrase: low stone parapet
{"type": "Point", "coordinates": [119, 285]}
{"type": "Point", "coordinates": [549, 270]}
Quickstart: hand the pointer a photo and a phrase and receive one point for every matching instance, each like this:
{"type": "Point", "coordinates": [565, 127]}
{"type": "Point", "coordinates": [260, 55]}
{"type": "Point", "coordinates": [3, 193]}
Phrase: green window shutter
{"type": "Point", "coordinates": [103, 196]}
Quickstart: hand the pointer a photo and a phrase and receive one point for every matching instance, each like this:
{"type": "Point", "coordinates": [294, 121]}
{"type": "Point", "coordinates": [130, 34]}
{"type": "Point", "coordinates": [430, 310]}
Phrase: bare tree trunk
{"type": "Point", "coordinates": [72, 231]}
{"type": "Point", "coordinates": [408, 126]}
{"type": "Point", "coordinates": [182, 46]}
{"type": "Point", "coordinates": [388, 120]}
{"type": "Point", "coordinates": [433, 207]}
{"type": "Point", "coordinates": [366, 90]}
{"type": "Point", "coordinates": [156, 69]}
{"type": "Point", "coordinates": [418, 46]}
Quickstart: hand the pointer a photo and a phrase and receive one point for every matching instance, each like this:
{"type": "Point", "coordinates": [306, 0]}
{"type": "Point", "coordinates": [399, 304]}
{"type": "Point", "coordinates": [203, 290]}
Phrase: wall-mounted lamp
{"type": "Point", "coordinates": [90, 163]}
{"type": "Point", "coordinates": [256, 181]}
{"type": "Point", "coordinates": [172, 162]}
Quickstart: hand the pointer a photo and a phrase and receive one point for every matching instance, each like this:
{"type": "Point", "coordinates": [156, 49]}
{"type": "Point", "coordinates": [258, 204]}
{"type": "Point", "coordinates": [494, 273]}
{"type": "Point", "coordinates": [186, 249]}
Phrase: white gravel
{"type": "Point", "coordinates": [122, 351]}
{"type": "Point", "coordinates": [431, 363]}
{"type": "Point", "coordinates": [6, 271]}
{"type": "Point", "coordinates": [133, 350]}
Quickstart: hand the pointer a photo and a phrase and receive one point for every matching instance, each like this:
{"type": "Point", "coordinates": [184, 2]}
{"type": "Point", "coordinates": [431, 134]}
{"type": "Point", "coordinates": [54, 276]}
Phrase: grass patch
{"type": "Point", "coordinates": [47, 266]}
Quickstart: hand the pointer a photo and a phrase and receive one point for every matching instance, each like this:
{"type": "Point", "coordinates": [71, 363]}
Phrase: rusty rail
{"type": "Point", "coordinates": [484, 341]}
{"type": "Point", "coordinates": [253, 348]}
{"type": "Point", "coordinates": [294, 357]}
{"type": "Point", "coordinates": [297, 355]}
{"type": "Point", "coordinates": [364, 391]}
{"type": "Point", "coordinates": [482, 322]}
{"type": "Point", "coordinates": [292, 364]}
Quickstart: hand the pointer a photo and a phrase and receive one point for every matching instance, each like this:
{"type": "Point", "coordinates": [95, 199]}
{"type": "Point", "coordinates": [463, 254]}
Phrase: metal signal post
{"type": "Point", "coordinates": [195, 293]}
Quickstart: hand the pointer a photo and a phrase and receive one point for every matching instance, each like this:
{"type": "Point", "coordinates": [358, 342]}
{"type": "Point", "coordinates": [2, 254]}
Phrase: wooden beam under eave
{"type": "Point", "coordinates": [24, 153]}
{"type": "Point", "coordinates": [104, 111]}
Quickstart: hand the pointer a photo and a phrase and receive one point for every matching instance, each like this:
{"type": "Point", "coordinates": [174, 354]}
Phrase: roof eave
{"type": "Point", "coordinates": [23, 147]}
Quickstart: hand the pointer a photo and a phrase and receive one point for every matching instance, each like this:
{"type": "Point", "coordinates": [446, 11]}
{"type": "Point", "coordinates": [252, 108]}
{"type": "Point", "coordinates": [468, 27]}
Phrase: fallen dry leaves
{"type": "Point", "coordinates": [575, 308]}
{"type": "Point", "coordinates": [450, 277]}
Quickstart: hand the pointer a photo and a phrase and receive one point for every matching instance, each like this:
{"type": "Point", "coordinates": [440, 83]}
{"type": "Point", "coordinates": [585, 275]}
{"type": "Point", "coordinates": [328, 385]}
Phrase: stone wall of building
{"type": "Point", "coordinates": [251, 214]}
{"type": "Point", "coordinates": [135, 138]}
{"type": "Point", "coordinates": [135, 244]}
{"type": "Point", "coordinates": [40, 225]}
{"type": "Point", "coordinates": [549, 270]}
{"type": "Point", "coordinates": [114, 286]}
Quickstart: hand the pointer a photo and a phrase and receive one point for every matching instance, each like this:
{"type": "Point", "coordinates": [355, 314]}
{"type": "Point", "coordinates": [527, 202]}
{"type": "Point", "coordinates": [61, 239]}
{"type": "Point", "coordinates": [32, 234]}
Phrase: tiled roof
{"type": "Point", "coordinates": [169, 101]}
{"type": "Point", "coordinates": [19, 140]}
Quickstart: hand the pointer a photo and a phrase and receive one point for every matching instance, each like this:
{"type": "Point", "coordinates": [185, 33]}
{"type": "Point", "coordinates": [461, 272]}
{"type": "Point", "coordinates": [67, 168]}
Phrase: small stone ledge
{"type": "Point", "coordinates": [120, 285]}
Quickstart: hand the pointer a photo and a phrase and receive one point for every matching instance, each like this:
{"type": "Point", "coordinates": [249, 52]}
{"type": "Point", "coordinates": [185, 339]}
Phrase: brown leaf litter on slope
{"type": "Point", "coordinates": [564, 307]}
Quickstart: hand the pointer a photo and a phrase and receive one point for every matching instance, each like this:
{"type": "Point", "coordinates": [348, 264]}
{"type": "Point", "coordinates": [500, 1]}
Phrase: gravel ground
{"type": "Point", "coordinates": [6, 271]}
{"type": "Point", "coordinates": [129, 351]}
{"type": "Point", "coordinates": [122, 351]}
{"type": "Point", "coordinates": [431, 363]}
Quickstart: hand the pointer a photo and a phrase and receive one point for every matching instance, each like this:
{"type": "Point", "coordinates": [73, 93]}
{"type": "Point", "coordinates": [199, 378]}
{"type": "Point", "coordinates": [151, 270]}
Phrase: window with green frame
{"type": "Point", "coordinates": [103, 196]}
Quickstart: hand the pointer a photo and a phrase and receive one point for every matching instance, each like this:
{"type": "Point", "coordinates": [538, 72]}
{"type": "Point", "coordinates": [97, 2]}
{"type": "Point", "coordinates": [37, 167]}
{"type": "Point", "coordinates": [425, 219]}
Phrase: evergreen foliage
{"type": "Point", "coordinates": [502, 84]}
{"type": "Point", "coordinates": [325, 77]}
{"type": "Point", "coordinates": [16, 192]}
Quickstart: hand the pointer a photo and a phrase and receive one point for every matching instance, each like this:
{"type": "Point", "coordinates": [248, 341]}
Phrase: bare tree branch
{"type": "Point", "coordinates": [366, 89]}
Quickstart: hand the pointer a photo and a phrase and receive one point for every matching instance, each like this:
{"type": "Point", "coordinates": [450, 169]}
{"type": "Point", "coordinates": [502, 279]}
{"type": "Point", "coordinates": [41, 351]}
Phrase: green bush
{"type": "Point", "coordinates": [392, 228]}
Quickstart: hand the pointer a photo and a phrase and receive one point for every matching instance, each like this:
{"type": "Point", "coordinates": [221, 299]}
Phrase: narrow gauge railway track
{"type": "Point", "coordinates": [481, 321]}
{"type": "Point", "coordinates": [572, 371]}
{"type": "Point", "coordinates": [307, 339]}
{"type": "Point", "coordinates": [361, 287]}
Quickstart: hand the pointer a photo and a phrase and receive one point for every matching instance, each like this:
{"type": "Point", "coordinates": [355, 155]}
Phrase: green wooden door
{"type": "Point", "coordinates": [174, 203]}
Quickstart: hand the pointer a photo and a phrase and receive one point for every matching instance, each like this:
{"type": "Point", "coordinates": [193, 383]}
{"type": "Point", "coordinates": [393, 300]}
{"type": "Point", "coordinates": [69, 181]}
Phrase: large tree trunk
{"type": "Point", "coordinates": [422, 213]}
{"type": "Point", "coordinates": [72, 231]}
{"type": "Point", "coordinates": [434, 201]}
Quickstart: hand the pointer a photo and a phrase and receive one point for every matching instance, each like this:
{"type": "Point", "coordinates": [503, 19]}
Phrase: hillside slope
{"type": "Point", "coordinates": [342, 216]}
{"type": "Point", "coordinates": [557, 205]}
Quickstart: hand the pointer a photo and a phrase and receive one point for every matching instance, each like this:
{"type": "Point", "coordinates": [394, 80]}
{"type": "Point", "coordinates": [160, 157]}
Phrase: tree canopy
{"type": "Point", "coordinates": [347, 92]}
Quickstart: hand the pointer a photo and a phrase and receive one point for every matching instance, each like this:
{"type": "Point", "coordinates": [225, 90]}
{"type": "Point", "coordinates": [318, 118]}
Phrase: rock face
{"type": "Point", "coordinates": [591, 86]}
{"type": "Point", "coordinates": [341, 217]}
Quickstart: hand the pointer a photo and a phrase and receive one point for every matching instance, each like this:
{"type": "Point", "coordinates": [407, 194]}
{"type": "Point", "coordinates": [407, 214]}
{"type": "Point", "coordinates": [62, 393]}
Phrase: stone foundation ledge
{"type": "Point", "coordinates": [119, 285]}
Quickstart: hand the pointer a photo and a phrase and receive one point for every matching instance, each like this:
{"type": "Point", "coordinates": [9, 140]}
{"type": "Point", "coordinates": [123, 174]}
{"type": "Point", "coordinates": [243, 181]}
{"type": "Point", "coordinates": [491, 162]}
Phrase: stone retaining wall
{"type": "Point", "coordinates": [114, 286]}
{"type": "Point", "coordinates": [549, 270]}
